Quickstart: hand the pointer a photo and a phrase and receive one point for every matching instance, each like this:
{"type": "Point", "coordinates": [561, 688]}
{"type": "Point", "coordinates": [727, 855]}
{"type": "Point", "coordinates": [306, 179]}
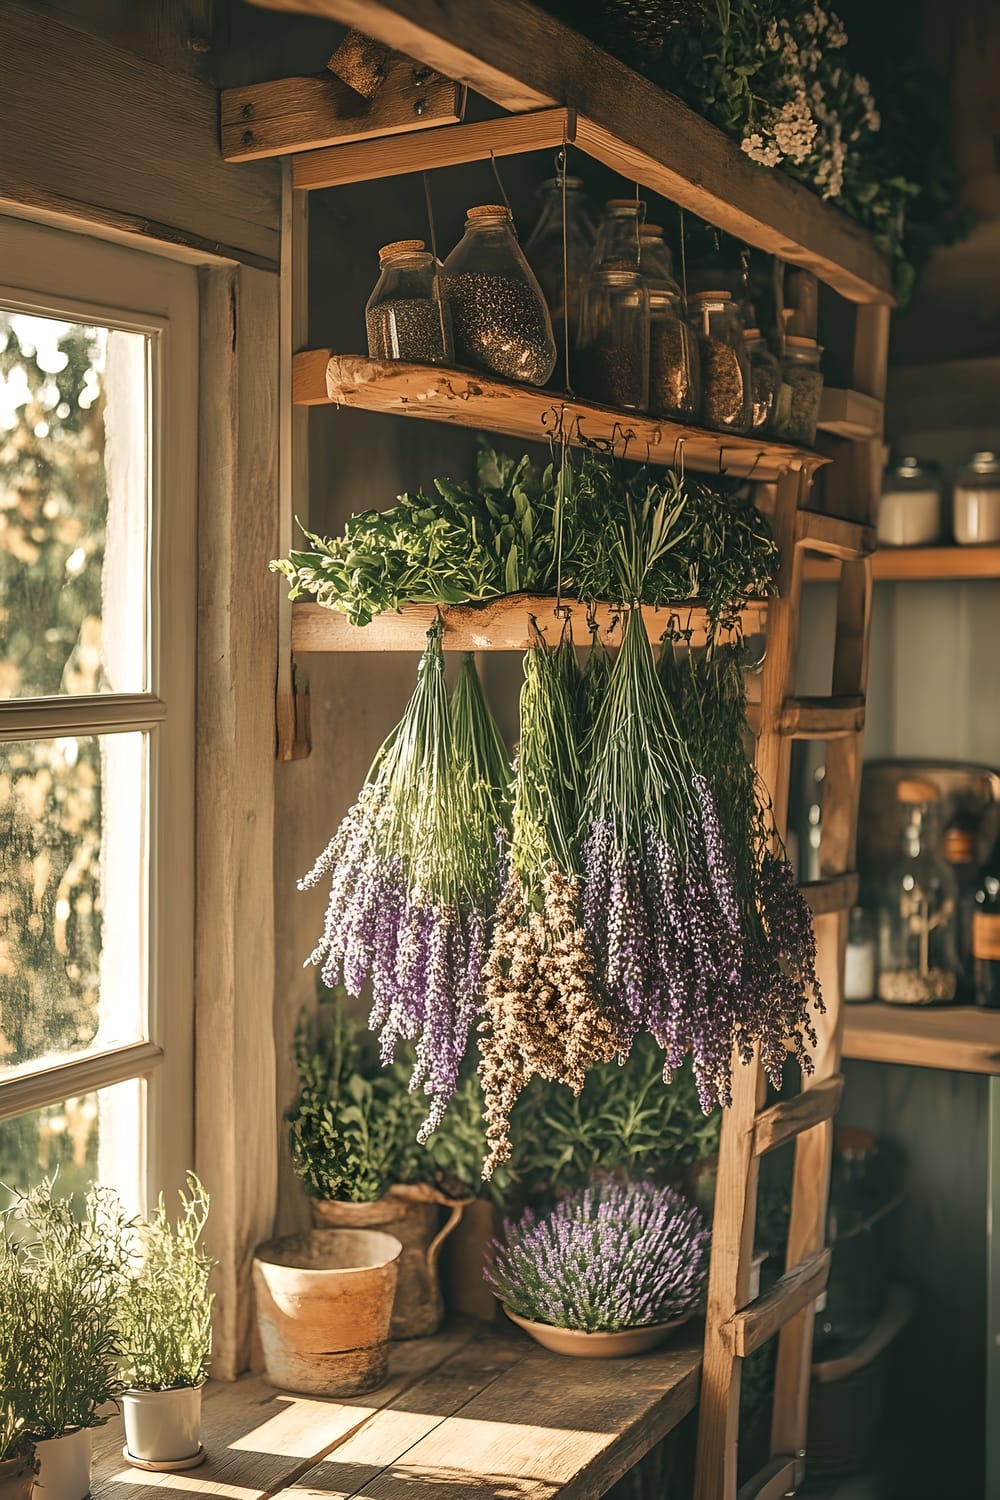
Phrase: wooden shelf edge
{"type": "Point", "coordinates": [930, 564]}
{"type": "Point", "coordinates": [443, 393]}
{"type": "Point", "coordinates": [503, 624]}
{"type": "Point", "coordinates": [851, 414]}
{"type": "Point", "coordinates": [959, 1038]}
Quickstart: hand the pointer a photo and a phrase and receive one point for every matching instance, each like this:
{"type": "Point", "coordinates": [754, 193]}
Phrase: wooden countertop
{"type": "Point", "coordinates": [959, 1037]}
{"type": "Point", "coordinates": [473, 1411]}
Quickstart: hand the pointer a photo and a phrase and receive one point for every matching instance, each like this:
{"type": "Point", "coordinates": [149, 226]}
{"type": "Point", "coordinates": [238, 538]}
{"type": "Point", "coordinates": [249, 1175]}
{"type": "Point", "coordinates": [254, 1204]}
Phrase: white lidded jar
{"type": "Point", "coordinates": [976, 502]}
{"type": "Point", "coordinates": [909, 508]}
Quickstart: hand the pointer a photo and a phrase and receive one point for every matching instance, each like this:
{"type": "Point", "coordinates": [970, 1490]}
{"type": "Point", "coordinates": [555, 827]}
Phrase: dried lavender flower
{"type": "Point", "coordinates": [605, 1258]}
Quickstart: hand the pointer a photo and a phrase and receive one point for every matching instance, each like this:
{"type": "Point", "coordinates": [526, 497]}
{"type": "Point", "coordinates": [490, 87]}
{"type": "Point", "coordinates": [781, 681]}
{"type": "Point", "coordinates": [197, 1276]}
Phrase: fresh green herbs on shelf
{"type": "Point", "coordinates": [469, 544]}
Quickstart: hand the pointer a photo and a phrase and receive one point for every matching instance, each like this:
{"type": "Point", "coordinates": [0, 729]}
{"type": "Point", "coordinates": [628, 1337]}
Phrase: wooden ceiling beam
{"type": "Point", "coordinates": [519, 57]}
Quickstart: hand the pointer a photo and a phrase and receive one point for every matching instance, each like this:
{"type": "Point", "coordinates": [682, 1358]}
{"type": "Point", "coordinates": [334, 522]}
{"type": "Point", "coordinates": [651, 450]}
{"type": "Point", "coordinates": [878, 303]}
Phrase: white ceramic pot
{"type": "Point", "coordinates": [163, 1427]}
{"type": "Point", "coordinates": [64, 1466]}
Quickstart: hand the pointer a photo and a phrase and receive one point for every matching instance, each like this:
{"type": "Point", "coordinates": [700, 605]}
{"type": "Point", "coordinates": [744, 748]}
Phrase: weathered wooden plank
{"type": "Point", "coordinates": [450, 146]}
{"type": "Point", "coordinates": [788, 1118]}
{"type": "Point", "coordinates": [521, 58]}
{"type": "Point", "coordinates": [836, 893]}
{"type": "Point", "coordinates": [956, 1037]}
{"type": "Point", "coordinates": [503, 624]}
{"type": "Point", "coordinates": [123, 143]}
{"type": "Point", "coordinates": [901, 564]}
{"type": "Point", "coordinates": [826, 718]}
{"type": "Point", "coordinates": [441, 393]}
{"type": "Point", "coordinates": [840, 539]}
{"type": "Point", "coordinates": [752, 1326]}
{"type": "Point", "coordinates": [782, 1476]}
{"type": "Point", "coordinates": [851, 414]}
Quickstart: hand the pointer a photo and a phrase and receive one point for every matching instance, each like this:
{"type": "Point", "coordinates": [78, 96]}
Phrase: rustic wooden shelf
{"type": "Point", "coordinates": [503, 624]}
{"type": "Point", "coordinates": [440, 393]}
{"type": "Point", "coordinates": [898, 564]}
{"type": "Point", "coordinates": [850, 414]}
{"type": "Point", "coordinates": [467, 1412]}
{"type": "Point", "coordinates": [959, 1037]}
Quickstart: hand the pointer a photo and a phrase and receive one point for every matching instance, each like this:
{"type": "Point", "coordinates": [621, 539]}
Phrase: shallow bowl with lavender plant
{"type": "Point", "coordinates": [610, 1271]}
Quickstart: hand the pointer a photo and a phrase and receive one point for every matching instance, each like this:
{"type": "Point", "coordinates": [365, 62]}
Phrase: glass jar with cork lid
{"type": "Point", "coordinates": [765, 380]}
{"type": "Point", "coordinates": [725, 371]}
{"type": "Point", "coordinates": [406, 316]}
{"type": "Point", "coordinates": [918, 957]}
{"type": "Point", "coordinates": [612, 364]}
{"type": "Point", "coordinates": [797, 411]}
{"type": "Point", "coordinates": [674, 386]}
{"type": "Point", "coordinates": [499, 316]}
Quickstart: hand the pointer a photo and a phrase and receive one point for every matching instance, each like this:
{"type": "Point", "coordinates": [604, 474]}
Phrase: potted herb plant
{"type": "Point", "coordinates": [610, 1271]}
{"type": "Point", "coordinates": [17, 1363]}
{"type": "Point", "coordinates": [165, 1320]}
{"type": "Point", "coordinates": [353, 1142]}
{"type": "Point", "coordinates": [71, 1260]}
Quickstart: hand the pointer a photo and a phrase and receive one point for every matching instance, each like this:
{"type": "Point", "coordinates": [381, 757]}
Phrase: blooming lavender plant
{"type": "Point", "coordinates": [413, 877]}
{"type": "Point", "coordinates": [605, 1258]}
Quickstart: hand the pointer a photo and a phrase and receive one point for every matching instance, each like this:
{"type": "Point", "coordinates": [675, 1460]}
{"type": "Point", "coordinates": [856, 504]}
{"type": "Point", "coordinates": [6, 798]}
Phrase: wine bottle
{"type": "Point", "coordinates": [986, 933]}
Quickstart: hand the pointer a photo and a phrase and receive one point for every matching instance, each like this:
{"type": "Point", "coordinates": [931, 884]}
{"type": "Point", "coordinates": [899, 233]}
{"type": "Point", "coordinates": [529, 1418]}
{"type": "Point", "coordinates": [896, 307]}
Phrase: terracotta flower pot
{"type": "Point", "coordinates": [163, 1427]}
{"type": "Point", "coordinates": [596, 1345]}
{"type": "Point", "coordinates": [413, 1215]}
{"type": "Point", "coordinates": [17, 1475]}
{"type": "Point", "coordinates": [466, 1291]}
{"type": "Point", "coordinates": [64, 1466]}
{"type": "Point", "coordinates": [324, 1304]}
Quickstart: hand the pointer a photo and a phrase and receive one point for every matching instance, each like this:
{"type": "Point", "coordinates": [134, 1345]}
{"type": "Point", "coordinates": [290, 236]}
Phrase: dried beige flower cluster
{"type": "Point", "coordinates": [543, 1013]}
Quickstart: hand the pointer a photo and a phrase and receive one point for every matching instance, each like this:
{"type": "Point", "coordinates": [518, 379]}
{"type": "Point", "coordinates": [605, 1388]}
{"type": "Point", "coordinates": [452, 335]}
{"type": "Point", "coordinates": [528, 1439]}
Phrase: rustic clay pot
{"type": "Point", "coordinates": [163, 1427]}
{"type": "Point", "coordinates": [17, 1476]}
{"type": "Point", "coordinates": [324, 1304]}
{"type": "Point", "coordinates": [466, 1291]}
{"type": "Point", "coordinates": [597, 1345]}
{"type": "Point", "coordinates": [412, 1214]}
{"type": "Point", "coordinates": [64, 1466]}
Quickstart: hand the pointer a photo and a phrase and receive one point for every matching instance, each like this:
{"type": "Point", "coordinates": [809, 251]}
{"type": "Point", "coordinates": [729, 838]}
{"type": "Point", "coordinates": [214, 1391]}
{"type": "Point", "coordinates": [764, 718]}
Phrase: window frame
{"type": "Point", "coordinates": [61, 273]}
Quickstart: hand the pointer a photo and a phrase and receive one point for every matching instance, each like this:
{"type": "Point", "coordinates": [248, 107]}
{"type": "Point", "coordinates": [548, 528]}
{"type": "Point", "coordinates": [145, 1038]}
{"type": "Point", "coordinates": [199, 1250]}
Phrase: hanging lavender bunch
{"type": "Point", "coordinates": [605, 1258]}
{"type": "Point", "coordinates": [544, 1011]}
{"type": "Point", "coordinates": [412, 872]}
{"type": "Point", "coordinates": [780, 986]}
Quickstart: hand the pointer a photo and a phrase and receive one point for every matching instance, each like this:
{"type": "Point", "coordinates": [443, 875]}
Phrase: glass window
{"type": "Point", "coordinates": [76, 1140]}
{"type": "Point", "coordinates": [74, 400]}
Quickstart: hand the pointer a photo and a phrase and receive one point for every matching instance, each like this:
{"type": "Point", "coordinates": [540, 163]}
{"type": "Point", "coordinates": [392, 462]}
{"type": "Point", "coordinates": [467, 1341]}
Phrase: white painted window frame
{"type": "Point", "coordinates": [54, 272]}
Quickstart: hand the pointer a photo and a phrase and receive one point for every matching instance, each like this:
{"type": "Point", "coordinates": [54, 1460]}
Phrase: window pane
{"type": "Point", "coordinates": [74, 402]}
{"type": "Point", "coordinates": [95, 1138]}
{"type": "Point", "coordinates": [72, 896]}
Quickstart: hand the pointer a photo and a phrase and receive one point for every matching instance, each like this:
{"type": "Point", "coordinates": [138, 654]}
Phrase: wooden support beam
{"type": "Point", "coordinates": [851, 414]}
{"type": "Point", "coordinates": [363, 161]}
{"type": "Point", "coordinates": [748, 1329]}
{"type": "Point", "coordinates": [522, 59]}
{"type": "Point", "coordinates": [836, 893]}
{"type": "Point", "coordinates": [302, 114]}
{"type": "Point", "coordinates": [847, 540]}
{"type": "Point", "coordinates": [788, 1118]}
{"type": "Point", "coordinates": [826, 718]}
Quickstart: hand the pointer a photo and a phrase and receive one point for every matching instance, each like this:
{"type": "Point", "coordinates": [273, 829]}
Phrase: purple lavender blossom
{"type": "Point", "coordinates": [605, 1258]}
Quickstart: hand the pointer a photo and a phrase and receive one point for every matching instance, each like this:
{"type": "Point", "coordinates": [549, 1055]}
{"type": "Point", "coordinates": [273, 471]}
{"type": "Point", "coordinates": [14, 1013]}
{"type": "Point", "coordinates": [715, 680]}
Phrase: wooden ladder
{"type": "Point", "coordinates": [737, 1325]}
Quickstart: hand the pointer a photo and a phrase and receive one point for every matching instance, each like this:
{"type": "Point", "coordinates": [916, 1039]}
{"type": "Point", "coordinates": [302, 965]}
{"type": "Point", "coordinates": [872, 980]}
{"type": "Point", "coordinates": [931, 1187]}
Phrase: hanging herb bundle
{"type": "Point", "coordinates": [413, 877]}
{"type": "Point", "coordinates": [661, 905]}
{"type": "Point", "coordinates": [544, 1009]}
{"type": "Point", "coordinates": [708, 690]}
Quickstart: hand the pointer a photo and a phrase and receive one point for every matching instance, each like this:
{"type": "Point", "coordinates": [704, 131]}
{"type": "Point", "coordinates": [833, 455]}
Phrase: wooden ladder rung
{"type": "Point", "coordinates": [850, 540]}
{"type": "Point", "coordinates": [782, 1476]}
{"type": "Point", "coordinates": [788, 1118]}
{"type": "Point", "coordinates": [748, 1329]}
{"type": "Point", "coordinates": [831, 718]}
{"type": "Point", "coordinates": [836, 893]}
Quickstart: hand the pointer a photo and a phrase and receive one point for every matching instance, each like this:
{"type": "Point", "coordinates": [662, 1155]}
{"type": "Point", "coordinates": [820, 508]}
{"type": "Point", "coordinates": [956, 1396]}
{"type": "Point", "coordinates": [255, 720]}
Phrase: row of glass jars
{"type": "Point", "coordinates": [636, 347]}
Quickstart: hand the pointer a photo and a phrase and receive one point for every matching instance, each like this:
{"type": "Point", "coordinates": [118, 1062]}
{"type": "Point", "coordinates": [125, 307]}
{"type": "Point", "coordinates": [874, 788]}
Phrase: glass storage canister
{"type": "Point", "coordinates": [500, 320]}
{"type": "Point", "coordinates": [976, 501]}
{"type": "Point", "coordinates": [674, 386]}
{"type": "Point", "coordinates": [406, 316]}
{"type": "Point", "coordinates": [909, 508]}
{"type": "Point", "coordinates": [918, 960]}
{"type": "Point", "coordinates": [544, 252]}
{"type": "Point", "coordinates": [859, 957]}
{"type": "Point", "coordinates": [618, 234]}
{"type": "Point", "coordinates": [725, 370]}
{"type": "Point", "coordinates": [765, 380]}
{"type": "Point", "coordinates": [797, 411]}
{"type": "Point", "coordinates": [612, 364]}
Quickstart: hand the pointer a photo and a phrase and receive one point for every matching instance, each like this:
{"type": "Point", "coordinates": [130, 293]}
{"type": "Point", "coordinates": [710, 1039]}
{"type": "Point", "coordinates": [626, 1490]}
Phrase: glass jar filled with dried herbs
{"type": "Point", "coordinates": [797, 411]}
{"type": "Point", "coordinates": [612, 364]}
{"type": "Point", "coordinates": [406, 316]}
{"type": "Point", "coordinates": [765, 380]}
{"type": "Point", "coordinates": [674, 388]}
{"type": "Point", "coordinates": [561, 283]}
{"type": "Point", "coordinates": [498, 312]}
{"type": "Point", "coordinates": [725, 370]}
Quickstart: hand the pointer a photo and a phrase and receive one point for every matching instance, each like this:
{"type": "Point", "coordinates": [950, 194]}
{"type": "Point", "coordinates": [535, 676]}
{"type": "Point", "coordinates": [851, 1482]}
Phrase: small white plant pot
{"type": "Point", "coordinates": [163, 1427]}
{"type": "Point", "coordinates": [63, 1466]}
